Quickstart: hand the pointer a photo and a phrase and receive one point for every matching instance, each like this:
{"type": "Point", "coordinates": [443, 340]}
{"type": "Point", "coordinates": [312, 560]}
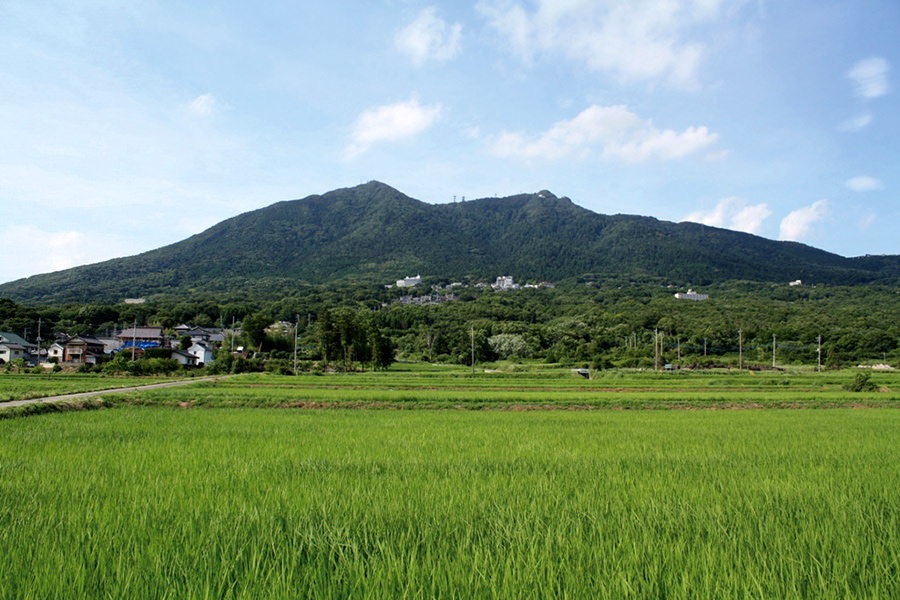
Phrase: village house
{"type": "Point", "coordinates": [7, 337]}
{"type": "Point", "coordinates": [83, 349]}
{"type": "Point", "coordinates": [184, 358]}
{"type": "Point", "coordinates": [201, 334]}
{"type": "Point", "coordinates": [142, 337]}
{"type": "Point", "coordinates": [56, 350]}
{"type": "Point", "coordinates": [10, 352]}
{"type": "Point", "coordinates": [16, 347]}
{"type": "Point", "coordinates": [202, 351]}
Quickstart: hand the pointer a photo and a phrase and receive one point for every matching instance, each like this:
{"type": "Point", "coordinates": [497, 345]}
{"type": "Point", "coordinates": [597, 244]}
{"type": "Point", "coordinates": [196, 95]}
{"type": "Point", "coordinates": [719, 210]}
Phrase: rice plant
{"type": "Point", "coordinates": [268, 503]}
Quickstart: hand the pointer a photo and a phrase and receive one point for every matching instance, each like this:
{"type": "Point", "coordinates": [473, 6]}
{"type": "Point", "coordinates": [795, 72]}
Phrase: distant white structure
{"type": "Point", "coordinates": [135, 300]}
{"type": "Point", "coordinates": [691, 295]}
{"type": "Point", "coordinates": [409, 281]}
{"type": "Point", "coordinates": [505, 282]}
{"type": "Point", "coordinates": [795, 283]}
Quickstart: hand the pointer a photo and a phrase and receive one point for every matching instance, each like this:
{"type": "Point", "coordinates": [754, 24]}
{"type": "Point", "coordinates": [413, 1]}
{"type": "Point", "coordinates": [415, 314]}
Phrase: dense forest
{"type": "Point", "coordinates": [579, 324]}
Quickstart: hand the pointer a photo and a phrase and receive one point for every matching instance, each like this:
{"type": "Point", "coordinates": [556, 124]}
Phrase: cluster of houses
{"type": "Point", "coordinates": [84, 349]}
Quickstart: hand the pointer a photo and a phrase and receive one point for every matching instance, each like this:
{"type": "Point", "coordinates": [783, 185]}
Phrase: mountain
{"type": "Point", "coordinates": [374, 233]}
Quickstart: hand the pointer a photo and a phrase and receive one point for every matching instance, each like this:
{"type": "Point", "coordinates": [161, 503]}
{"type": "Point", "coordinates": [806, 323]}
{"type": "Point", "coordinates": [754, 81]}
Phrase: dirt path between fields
{"type": "Point", "coordinates": [78, 395]}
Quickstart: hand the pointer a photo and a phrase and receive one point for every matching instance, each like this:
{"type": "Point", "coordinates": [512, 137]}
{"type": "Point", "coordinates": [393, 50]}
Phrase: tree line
{"type": "Point", "coordinates": [583, 323]}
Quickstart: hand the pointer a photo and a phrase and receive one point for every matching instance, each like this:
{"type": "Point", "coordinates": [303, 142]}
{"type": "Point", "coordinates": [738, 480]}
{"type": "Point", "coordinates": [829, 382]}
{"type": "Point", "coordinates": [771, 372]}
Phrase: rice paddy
{"type": "Point", "coordinates": [154, 501]}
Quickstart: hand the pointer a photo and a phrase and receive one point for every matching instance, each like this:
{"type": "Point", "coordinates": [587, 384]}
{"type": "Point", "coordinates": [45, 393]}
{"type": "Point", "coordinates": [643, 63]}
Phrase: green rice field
{"type": "Point", "coordinates": [417, 386]}
{"type": "Point", "coordinates": [168, 494]}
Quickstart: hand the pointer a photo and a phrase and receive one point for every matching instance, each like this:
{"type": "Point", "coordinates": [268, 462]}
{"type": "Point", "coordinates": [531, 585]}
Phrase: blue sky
{"type": "Point", "coordinates": [129, 125]}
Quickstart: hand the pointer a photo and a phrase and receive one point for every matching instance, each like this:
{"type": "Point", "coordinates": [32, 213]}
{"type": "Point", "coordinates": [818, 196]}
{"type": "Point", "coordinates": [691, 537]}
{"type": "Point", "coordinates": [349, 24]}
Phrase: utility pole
{"type": "Point", "coordinates": [740, 348]}
{"type": "Point", "coordinates": [773, 350]}
{"type": "Point", "coordinates": [656, 349]}
{"type": "Point", "coordinates": [704, 346]}
{"type": "Point", "coordinates": [819, 353]}
{"type": "Point", "coordinates": [472, 333]}
{"type": "Point", "coordinates": [296, 330]}
{"type": "Point", "coordinates": [133, 339]}
{"type": "Point", "coordinates": [39, 340]}
{"type": "Point", "coordinates": [232, 334]}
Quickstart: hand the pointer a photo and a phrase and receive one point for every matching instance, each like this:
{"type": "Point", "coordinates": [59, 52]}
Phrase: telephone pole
{"type": "Point", "coordinates": [656, 349]}
{"type": "Point", "coordinates": [472, 333]}
{"type": "Point", "coordinates": [740, 348]}
{"type": "Point", "coordinates": [39, 341]}
{"type": "Point", "coordinates": [296, 331]}
{"type": "Point", "coordinates": [819, 353]}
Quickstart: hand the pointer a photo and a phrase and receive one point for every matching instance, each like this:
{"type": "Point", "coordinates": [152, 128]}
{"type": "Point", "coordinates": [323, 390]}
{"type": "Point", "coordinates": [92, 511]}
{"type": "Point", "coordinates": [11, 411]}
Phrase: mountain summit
{"type": "Point", "coordinates": [373, 232]}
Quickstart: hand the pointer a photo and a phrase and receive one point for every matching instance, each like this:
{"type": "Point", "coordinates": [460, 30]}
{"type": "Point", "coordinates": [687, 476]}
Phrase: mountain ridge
{"type": "Point", "coordinates": [373, 232]}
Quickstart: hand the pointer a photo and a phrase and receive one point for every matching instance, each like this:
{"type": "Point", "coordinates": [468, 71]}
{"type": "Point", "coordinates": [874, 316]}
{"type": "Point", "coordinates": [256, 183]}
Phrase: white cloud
{"type": "Point", "coordinates": [798, 224]}
{"type": "Point", "coordinates": [717, 155]}
{"type": "Point", "coordinates": [857, 123]}
{"type": "Point", "coordinates": [391, 123]}
{"type": "Point", "coordinates": [733, 213]}
{"type": "Point", "coordinates": [863, 183]}
{"type": "Point", "coordinates": [867, 221]}
{"type": "Point", "coordinates": [635, 41]}
{"type": "Point", "coordinates": [869, 77]}
{"type": "Point", "coordinates": [652, 144]}
{"type": "Point", "coordinates": [429, 37]}
{"type": "Point", "coordinates": [49, 251]}
{"type": "Point", "coordinates": [615, 130]}
{"type": "Point", "coordinates": [203, 105]}
{"type": "Point", "coordinates": [750, 218]}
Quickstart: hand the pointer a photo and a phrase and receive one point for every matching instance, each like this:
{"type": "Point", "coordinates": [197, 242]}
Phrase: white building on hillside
{"type": "Point", "coordinates": [409, 281]}
{"type": "Point", "coordinates": [505, 282]}
{"type": "Point", "coordinates": [691, 295]}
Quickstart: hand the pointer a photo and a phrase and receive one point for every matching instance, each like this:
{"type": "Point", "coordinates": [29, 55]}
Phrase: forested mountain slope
{"type": "Point", "coordinates": [373, 232]}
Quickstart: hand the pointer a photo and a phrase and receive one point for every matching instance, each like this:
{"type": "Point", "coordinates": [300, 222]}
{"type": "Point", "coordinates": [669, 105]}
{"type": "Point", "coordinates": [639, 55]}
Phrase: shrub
{"type": "Point", "coordinates": [279, 366]}
{"type": "Point", "coordinates": [861, 383]}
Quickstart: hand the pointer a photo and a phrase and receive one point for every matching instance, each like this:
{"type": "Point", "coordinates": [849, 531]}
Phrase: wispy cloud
{"type": "Point", "coordinates": [391, 123]}
{"type": "Point", "coordinates": [863, 183]}
{"type": "Point", "coordinates": [733, 213]}
{"type": "Point", "coordinates": [203, 105]}
{"type": "Point", "coordinates": [429, 37]}
{"type": "Point", "coordinates": [50, 251]}
{"type": "Point", "coordinates": [635, 41]}
{"type": "Point", "coordinates": [613, 130]}
{"type": "Point", "coordinates": [869, 77]}
{"type": "Point", "coordinates": [857, 123]}
{"type": "Point", "coordinates": [799, 223]}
